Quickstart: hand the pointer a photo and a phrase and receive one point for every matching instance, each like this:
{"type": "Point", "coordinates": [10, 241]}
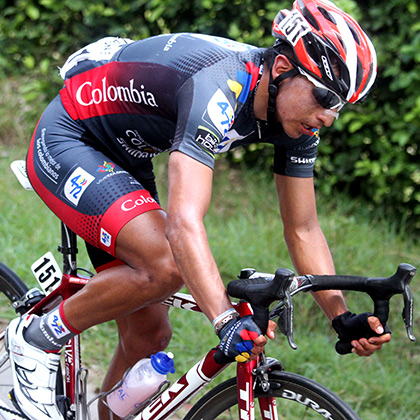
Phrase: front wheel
{"type": "Point", "coordinates": [14, 289]}
{"type": "Point", "coordinates": [297, 398]}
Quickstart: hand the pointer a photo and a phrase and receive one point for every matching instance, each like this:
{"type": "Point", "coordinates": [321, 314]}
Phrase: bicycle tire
{"type": "Point", "coordinates": [297, 398]}
{"type": "Point", "coordinates": [14, 289]}
{"type": "Point", "coordinates": [11, 284]}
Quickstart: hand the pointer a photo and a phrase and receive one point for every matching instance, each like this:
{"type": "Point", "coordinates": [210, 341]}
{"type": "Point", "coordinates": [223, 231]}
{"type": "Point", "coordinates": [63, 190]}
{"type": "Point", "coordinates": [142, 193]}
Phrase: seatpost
{"type": "Point", "coordinates": [69, 250]}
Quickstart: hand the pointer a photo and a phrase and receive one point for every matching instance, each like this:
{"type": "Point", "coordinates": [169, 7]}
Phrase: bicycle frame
{"type": "Point", "coordinates": [183, 389]}
{"type": "Point", "coordinates": [162, 406]}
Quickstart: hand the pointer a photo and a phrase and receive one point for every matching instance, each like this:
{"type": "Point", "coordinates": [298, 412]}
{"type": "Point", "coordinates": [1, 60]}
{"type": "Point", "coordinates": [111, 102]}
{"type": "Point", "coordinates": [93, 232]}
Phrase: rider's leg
{"type": "Point", "coordinates": [140, 334]}
{"type": "Point", "coordinates": [149, 276]}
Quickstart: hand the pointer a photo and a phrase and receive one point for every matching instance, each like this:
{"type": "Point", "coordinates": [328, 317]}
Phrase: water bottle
{"type": "Point", "coordinates": [143, 379]}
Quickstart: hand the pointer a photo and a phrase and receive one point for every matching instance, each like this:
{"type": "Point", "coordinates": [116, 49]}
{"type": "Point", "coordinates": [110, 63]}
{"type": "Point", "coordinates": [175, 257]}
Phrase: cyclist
{"type": "Point", "coordinates": [90, 160]}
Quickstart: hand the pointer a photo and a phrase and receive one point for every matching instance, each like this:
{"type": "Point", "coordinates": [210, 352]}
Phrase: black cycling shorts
{"type": "Point", "coordinates": [87, 188]}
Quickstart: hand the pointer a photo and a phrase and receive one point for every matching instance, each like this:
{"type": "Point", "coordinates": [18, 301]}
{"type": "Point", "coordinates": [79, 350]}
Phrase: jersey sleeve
{"type": "Point", "coordinates": [296, 161]}
{"type": "Point", "coordinates": [205, 115]}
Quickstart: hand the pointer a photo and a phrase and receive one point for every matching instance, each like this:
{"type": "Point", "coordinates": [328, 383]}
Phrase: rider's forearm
{"type": "Point", "coordinates": [311, 255]}
{"type": "Point", "coordinates": [197, 267]}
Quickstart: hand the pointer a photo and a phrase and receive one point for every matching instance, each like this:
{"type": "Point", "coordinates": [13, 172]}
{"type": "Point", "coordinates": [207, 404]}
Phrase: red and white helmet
{"type": "Point", "coordinates": [323, 36]}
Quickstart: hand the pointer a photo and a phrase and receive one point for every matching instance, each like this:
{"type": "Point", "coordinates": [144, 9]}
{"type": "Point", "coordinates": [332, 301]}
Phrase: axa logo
{"type": "Point", "coordinates": [220, 112]}
{"type": "Point", "coordinates": [89, 93]}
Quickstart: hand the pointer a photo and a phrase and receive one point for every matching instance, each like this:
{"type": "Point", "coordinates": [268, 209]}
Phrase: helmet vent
{"type": "Point", "coordinates": [327, 15]}
{"type": "Point", "coordinates": [354, 33]}
{"type": "Point", "coordinates": [311, 19]}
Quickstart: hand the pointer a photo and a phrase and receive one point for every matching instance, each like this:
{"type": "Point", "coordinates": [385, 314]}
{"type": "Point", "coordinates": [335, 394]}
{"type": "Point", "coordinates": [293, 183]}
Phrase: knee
{"type": "Point", "coordinates": [171, 280]}
{"type": "Point", "coordinates": [162, 276]}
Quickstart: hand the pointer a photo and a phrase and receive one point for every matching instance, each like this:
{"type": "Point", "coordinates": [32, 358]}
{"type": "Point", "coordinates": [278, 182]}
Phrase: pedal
{"type": "Point", "coordinates": [12, 398]}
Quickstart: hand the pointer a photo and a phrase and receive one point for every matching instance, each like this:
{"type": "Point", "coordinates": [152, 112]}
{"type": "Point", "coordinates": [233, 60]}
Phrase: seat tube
{"type": "Point", "coordinates": [69, 250]}
{"type": "Point", "coordinates": [245, 384]}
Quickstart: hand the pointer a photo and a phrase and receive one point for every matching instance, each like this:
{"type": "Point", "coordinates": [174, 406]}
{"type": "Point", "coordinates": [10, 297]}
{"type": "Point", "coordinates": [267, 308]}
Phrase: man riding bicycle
{"type": "Point", "coordinates": [193, 95]}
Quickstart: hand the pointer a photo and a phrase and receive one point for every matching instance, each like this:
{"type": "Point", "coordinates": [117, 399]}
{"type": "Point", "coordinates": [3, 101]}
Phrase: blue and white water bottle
{"type": "Point", "coordinates": [143, 380]}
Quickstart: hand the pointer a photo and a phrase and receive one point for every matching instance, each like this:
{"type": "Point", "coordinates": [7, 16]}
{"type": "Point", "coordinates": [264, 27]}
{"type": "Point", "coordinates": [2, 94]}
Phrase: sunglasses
{"type": "Point", "coordinates": [328, 99]}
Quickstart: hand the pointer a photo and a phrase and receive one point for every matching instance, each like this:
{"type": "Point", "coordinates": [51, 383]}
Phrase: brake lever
{"type": "Point", "coordinates": [408, 312]}
{"type": "Point", "coordinates": [284, 310]}
{"type": "Point", "coordinates": [405, 273]}
{"type": "Point", "coordinates": [285, 321]}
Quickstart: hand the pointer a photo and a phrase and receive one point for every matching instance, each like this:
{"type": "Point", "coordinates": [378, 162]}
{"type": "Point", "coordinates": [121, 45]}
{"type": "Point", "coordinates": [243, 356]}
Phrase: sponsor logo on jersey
{"type": "Point", "coordinates": [131, 204]}
{"type": "Point", "coordinates": [220, 112]}
{"type": "Point", "coordinates": [207, 140]}
{"type": "Point", "coordinates": [171, 42]}
{"type": "Point", "coordinates": [106, 238]}
{"type": "Point", "coordinates": [135, 145]}
{"type": "Point", "coordinates": [106, 167]}
{"type": "Point", "coordinates": [77, 184]}
{"type": "Point", "coordinates": [302, 161]}
{"type": "Point", "coordinates": [96, 92]}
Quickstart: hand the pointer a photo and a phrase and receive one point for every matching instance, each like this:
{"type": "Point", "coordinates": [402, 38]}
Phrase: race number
{"type": "Point", "coordinates": [47, 272]}
{"type": "Point", "coordinates": [294, 27]}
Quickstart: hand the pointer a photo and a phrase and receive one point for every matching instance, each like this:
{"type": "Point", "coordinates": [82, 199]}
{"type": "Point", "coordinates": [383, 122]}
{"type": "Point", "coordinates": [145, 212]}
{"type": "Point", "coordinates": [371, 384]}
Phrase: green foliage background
{"type": "Point", "coordinates": [371, 151]}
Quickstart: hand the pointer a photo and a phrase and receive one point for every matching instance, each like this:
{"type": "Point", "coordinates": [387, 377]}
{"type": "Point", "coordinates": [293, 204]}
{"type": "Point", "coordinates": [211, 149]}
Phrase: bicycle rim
{"type": "Point", "coordinates": [297, 398]}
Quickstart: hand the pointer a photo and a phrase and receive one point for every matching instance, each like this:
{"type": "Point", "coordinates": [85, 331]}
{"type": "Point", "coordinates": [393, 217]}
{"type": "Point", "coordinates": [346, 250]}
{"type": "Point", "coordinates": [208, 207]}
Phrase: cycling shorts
{"type": "Point", "coordinates": [87, 188]}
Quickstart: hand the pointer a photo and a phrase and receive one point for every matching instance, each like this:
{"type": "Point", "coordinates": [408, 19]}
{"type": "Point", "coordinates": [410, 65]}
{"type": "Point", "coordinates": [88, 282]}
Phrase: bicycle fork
{"type": "Point", "coordinates": [248, 375]}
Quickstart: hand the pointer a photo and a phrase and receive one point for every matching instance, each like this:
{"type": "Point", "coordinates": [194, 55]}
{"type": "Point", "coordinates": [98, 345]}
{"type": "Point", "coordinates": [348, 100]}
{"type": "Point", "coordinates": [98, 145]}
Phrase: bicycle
{"type": "Point", "coordinates": [264, 380]}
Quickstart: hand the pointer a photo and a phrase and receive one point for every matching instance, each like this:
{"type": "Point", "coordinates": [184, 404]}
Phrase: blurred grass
{"type": "Point", "coordinates": [245, 230]}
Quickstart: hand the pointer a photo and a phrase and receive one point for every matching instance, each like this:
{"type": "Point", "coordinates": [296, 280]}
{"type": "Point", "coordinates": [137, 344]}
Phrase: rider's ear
{"type": "Point", "coordinates": [281, 65]}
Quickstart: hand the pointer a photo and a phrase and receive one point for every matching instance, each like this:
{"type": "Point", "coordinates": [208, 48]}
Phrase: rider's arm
{"type": "Point", "coordinates": [310, 253]}
{"type": "Point", "coordinates": [190, 186]}
{"type": "Point", "coordinates": [306, 242]}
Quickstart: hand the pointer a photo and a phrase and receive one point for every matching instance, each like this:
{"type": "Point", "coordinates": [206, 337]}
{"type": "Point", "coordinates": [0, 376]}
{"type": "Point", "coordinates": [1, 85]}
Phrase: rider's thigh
{"type": "Point", "coordinates": [142, 245]}
{"type": "Point", "coordinates": [144, 332]}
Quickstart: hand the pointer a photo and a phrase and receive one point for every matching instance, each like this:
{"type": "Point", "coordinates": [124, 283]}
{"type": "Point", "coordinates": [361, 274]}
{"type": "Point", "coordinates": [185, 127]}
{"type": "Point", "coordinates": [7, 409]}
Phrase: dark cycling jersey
{"type": "Point", "coordinates": [125, 102]}
{"type": "Point", "coordinates": [187, 92]}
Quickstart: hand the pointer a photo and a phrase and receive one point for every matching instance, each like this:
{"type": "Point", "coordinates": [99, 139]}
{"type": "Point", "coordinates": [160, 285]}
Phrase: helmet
{"type": "Point", "coordinates": [324, 39]}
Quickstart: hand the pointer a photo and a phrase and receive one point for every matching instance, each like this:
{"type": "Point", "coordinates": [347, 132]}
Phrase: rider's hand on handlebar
{"type": "Point", "coordinates": [361, 334]}
{"type": "Point", "coordinates": [261, 341]}
{"type": "Point", "coordinates": [237, 338]}
{"type": "Point", "coordinates": [366, 347]}
{"type": "Point", "coordinates": [242, 340]}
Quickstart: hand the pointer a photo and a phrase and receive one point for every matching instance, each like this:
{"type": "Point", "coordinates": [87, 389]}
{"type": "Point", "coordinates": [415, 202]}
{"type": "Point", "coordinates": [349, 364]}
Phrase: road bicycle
{"type": "Point", "coordinates": [280, 394]}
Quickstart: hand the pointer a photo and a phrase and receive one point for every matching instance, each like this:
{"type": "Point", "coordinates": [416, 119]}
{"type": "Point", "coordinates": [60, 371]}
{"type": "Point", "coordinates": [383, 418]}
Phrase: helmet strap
{"type": "Point", "coordinates": [273, 88]}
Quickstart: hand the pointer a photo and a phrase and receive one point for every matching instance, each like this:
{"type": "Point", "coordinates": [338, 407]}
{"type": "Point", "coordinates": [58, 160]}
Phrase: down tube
{"type": "Point", "coordinates": [183, 389]}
